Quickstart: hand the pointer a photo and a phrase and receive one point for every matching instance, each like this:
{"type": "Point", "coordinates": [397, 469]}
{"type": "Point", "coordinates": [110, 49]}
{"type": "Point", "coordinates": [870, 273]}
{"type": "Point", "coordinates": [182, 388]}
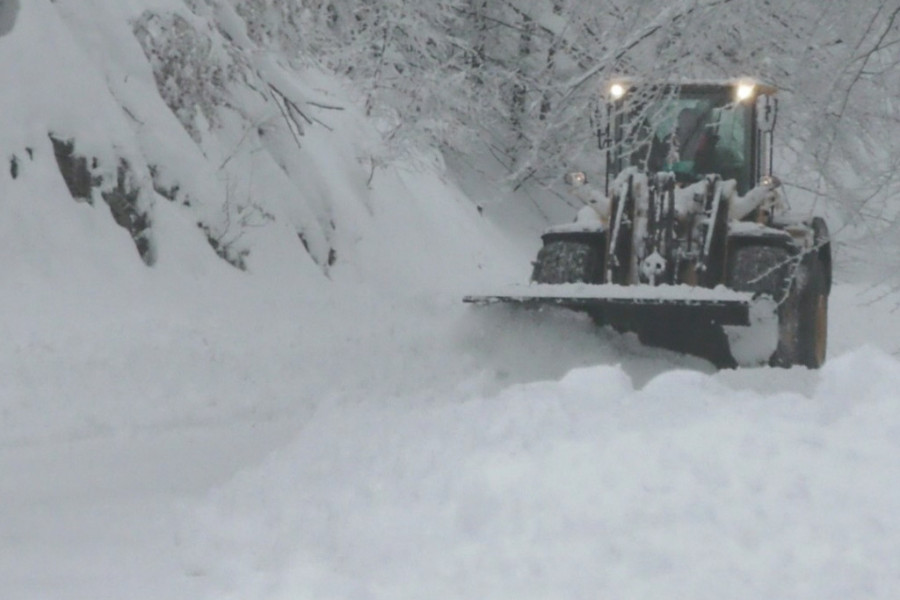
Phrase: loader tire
{"type": "Point", "coordinates": [763, 269]}
{"type": "Point", "coordinates": [813, 326]}
{"type": "Point", "coordinates": [768, 269]}
{"type": "Point", "coordinates": [568, 261]}
{"type": "Point", "coordinates": [565, 260]}
{"type": "Point", "coordinates": [803, 318]}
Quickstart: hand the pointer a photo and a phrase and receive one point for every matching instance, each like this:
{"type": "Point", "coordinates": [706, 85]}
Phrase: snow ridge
{"type": "Point", "coordinates": [587, 487]}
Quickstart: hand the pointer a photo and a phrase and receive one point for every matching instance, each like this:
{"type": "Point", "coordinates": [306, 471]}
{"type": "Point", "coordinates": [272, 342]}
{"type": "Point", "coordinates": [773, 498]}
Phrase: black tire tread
{"type": "Point", "coordinates": [567, 261]}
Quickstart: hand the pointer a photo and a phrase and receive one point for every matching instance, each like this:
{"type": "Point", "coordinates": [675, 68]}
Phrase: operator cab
{"type": "Point", "coordinates": [691, 129]}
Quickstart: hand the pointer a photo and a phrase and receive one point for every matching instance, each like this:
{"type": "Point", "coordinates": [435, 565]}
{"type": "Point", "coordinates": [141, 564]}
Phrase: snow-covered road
{"type": "Point", "coordinates": [94, 518]}
{"type": "Point", "coordinates": [458, 453]}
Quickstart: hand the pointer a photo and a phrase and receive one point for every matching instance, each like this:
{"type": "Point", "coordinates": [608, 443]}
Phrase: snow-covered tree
{"type": "Point", "coordinates": [522, 80]}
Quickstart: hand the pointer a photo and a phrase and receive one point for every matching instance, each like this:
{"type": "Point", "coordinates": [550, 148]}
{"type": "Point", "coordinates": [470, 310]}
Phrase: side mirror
{"type": "Point", "coordinates": [576, 178]}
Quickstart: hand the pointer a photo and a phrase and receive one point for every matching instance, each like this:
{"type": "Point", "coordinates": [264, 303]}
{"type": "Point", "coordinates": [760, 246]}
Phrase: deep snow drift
{"type": "Point", "coordinates": [692, 486]}
{"type": "Point", "coordinates": [332, 421]}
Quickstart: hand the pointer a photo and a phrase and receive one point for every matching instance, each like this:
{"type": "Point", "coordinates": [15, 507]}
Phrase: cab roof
{"type": "Point", "coordinates": [761, 87]}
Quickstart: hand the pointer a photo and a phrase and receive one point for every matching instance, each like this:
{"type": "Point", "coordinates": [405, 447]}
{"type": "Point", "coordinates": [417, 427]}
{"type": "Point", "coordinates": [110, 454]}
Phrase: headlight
{"type": "Point", "coordinates": [616, 91]}
{"type": "Point", "coordinates": [745, 91]}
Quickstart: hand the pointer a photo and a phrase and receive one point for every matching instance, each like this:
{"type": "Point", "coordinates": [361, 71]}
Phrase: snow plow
{"type": "Point", "coordinates": [691, 243]}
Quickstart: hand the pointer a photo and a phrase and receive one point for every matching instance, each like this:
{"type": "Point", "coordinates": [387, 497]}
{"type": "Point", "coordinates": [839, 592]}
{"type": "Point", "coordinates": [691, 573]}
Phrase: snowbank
{"type": "Point", "coordinates": [691, 486]}
{"type": "Point", "coordinates": [95, 340]}
{"type": "Point", "coordinates": [192, 139]}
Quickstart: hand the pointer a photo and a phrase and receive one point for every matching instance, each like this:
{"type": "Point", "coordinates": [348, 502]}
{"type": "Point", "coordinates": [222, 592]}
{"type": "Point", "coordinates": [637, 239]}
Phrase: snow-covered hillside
{"type": "Point", "coordinates": [235, 364]}
{"type": "Point", "coordinates": [237, 228]}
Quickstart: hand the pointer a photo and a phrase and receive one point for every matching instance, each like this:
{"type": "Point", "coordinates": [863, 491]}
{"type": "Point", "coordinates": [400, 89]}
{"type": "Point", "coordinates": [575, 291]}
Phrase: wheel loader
{"type": "Point", "coordinates": [690, 243]}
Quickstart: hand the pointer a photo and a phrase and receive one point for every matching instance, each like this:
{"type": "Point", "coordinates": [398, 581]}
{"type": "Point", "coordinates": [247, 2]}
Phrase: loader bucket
{"type": "Point", "coordinates": [625, 306]}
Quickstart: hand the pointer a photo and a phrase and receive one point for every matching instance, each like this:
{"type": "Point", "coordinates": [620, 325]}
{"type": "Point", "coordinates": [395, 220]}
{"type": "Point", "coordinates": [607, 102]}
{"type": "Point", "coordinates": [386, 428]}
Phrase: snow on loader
{"type": "Point", "coordinates": [691, 244]}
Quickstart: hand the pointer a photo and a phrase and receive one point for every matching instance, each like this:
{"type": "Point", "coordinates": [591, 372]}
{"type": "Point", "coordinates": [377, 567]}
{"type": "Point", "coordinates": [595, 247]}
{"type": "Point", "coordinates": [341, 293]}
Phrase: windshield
{"type": "Point", "coordinates": [690, 133]}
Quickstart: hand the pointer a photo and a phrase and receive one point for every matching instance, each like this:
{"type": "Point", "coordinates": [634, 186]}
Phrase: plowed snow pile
{"type": "Point", "coordinates": [694, 486]}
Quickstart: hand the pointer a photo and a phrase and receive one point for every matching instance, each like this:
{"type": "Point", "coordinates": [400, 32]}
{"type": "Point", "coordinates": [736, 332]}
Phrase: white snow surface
{"type": "Point", "coordinates": [690, 486]}
{"type": "Point", "coordinates": [305, 430]}
{"type": "Point", "coordinates": [681, 292]}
